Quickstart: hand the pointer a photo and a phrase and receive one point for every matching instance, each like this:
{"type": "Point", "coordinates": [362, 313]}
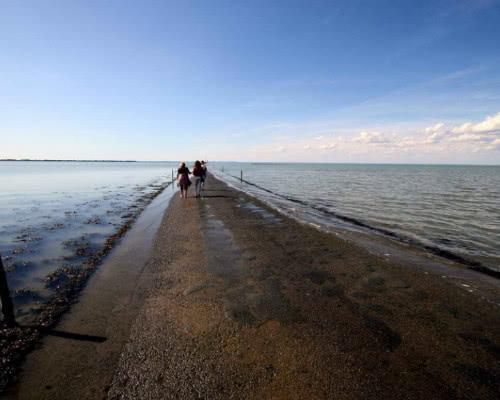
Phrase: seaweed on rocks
{"type": "Point", "coordinates": [28, 236]}
{"type": "Point", "coordinates": [56, 226]}
{"type": "Point", "coordinates": [81, 247]}
{"type": "Point", "coordinates": [94, 221]}
{"type": "Point", "coordinates": [62, 276]}
{"type": "Point", "coordinates": [14, 344]}
{"type": "Point", "coordinates": [19, 250]}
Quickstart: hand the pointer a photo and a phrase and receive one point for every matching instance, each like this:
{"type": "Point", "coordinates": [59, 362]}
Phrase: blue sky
{"type": "Point", "coordinates": [337, 81]}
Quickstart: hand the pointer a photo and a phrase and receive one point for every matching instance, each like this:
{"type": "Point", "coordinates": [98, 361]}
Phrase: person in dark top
{"type": "Point", "coordinates": [197, 173]}
{"type": "Point", "coordinates": [203, 173]}
{"type": "Point", "coordinates": [183, 179]}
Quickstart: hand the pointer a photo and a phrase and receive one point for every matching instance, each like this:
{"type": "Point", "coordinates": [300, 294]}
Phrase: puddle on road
{"type": "Point", "coordinates": [224, 257]}
{"type": "Point", "coordinates": [250, 297]}
{"type": "Point", "coordinates": [261, 212]}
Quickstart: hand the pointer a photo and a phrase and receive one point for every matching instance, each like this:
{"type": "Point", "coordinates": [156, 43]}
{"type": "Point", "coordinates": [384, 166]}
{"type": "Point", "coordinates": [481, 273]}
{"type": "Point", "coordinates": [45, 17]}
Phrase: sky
{"type": "Point", "coordinates": [307, 81]}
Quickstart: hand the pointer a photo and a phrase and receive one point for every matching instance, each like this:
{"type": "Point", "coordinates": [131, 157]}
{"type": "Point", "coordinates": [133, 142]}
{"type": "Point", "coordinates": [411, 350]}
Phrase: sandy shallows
{"type": "Point", "coordinates": [248, 304]}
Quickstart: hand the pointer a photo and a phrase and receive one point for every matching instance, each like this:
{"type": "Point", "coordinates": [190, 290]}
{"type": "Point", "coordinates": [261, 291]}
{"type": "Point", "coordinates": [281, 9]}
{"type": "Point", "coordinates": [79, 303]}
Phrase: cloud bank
{"type": "Point", "coordinates": [440, 140]}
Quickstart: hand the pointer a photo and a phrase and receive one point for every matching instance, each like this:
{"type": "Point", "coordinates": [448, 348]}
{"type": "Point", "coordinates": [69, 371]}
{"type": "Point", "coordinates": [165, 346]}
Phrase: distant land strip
{"type": "Point", "coordinates": [29, 159]}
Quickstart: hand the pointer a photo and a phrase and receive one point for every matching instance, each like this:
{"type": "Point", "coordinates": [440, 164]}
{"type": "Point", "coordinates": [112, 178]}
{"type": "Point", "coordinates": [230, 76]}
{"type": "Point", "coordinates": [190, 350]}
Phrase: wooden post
{"type": "Point", "coordinates": [7, 306]}
{"type": "Point", "coordinates": [241, 175]}
{"type": "Point", "coordinates": [172, 176]}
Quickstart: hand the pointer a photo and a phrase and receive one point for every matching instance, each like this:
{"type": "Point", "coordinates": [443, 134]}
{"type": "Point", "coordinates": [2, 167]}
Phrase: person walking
{"type": "Point", "coordinates": [183, 179]}
{"type": "Point", "coordinates": [197, 174]}
{"type": "Point", "coordinates": [203, 173]}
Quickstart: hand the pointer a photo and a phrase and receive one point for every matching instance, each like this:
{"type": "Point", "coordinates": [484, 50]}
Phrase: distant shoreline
{"type": "Point", "coordinates": [35, 160]}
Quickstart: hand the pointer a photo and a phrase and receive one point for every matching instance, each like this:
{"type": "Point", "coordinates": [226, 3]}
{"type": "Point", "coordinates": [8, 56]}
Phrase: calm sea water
{"type": "Point", "coordinates": [54, 214]}
{"type": "Point", "coordinates": [455, 208]}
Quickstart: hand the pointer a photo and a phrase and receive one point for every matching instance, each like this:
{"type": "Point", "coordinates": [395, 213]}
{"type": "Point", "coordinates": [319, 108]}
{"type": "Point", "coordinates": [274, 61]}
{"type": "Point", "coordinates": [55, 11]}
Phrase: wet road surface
{"type": "Point", "coordinates": [249, 304]}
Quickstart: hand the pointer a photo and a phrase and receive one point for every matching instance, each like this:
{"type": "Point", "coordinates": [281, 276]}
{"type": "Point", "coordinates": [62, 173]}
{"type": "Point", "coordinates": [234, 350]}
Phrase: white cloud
{"type": "Point", "coordinates": [435, 133]}
{"type": "Point", "coordinates": [328, 146]}
{"type": "Point", "coordinates": [435, 137]}
{"type": "Point", "coordinates": [482, 132]}
{"type": "Point", "coordinates": [469, 137]}
{"type": "Point", "coordinates": [496, 144]}
{"type": "Point", "coordinates": [434, 128]}
{"type": "Point", "coordinates": [490, 124]}
{"type": "Point", "coordinates": [372, 138]}
{"type": "Point", "coordinates": [467, 127]}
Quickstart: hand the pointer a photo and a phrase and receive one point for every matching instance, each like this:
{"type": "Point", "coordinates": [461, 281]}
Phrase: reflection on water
{"type": "Point", "coordinates": [53, 215]}
{"type": "Point", "coordinates": [456, 208]}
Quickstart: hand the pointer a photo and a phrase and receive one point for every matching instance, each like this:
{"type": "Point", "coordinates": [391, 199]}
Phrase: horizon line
{"type": "Point", "coordinates": [245, 162]}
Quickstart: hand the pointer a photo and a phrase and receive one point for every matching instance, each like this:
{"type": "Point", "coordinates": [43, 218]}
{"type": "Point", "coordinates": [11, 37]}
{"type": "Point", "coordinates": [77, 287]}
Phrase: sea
{"type": "Point", "coordinates": [55, 215]}
{"type": "Point", "coordinates": [450, 210]}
